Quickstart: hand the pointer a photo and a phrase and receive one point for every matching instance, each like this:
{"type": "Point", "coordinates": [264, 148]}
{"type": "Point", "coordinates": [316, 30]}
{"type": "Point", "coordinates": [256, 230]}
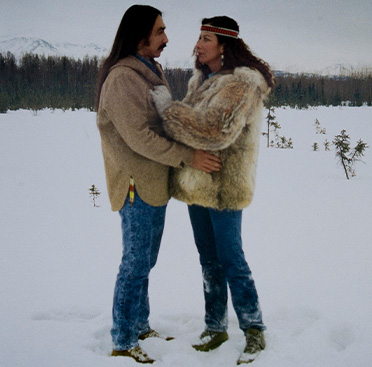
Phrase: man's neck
{"type": "Point", "coordinates": [150, 63]}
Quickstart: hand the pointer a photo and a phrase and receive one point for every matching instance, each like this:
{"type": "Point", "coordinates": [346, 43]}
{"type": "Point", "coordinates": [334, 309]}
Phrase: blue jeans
{"type": "Point", "coordinates": [142, 228]}
{"type": "Point", "coordinates": [218, 239]}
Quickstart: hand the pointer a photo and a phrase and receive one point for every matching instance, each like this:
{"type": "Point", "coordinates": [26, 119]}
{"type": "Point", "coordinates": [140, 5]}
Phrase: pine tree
{"type": "Point", "coordinates": [271, 124]}
{"type": "Point", "coordinates": [318, 128]}
{"type": "Point", "coordinates": [346, 155]}
{"type": "Point", "coordinates": [326, 145]}
{"type": "Point", "coordinates": [3, 102]}
{"type": "Point", "coordinates": [94, 193]}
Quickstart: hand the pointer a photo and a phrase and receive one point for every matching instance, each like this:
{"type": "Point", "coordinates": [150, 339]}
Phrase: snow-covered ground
{"type": "Point", "coordinates": [307, 238]}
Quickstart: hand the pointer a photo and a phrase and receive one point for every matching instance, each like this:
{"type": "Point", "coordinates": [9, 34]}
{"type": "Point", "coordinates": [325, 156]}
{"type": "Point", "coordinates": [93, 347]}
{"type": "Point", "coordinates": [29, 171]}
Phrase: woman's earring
{"type": "Point", "coordinates": [222, 59]}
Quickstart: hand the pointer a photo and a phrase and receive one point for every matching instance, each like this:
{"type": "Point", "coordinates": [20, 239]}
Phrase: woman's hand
{"type": "Point", "coordinates": [162, 98]}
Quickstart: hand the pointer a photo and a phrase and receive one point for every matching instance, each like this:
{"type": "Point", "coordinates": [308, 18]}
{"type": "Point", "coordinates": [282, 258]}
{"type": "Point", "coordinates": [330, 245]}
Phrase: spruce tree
{"type": "Point", "coordinates": [347, 156]}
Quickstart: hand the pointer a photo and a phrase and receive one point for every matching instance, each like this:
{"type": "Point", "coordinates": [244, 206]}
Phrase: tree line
{"type": "Point", "coordinates": [302, 90]}
{"type": "Point", "coordinates": [58, 82]}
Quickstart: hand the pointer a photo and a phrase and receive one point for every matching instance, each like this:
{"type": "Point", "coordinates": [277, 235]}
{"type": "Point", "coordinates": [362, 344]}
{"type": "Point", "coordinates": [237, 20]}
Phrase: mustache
{"type": "Point", "coordinates": [162, 47]}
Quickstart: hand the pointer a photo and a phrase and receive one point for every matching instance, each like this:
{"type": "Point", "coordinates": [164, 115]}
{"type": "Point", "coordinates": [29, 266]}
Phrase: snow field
{"type": "Point", "coordinates": [307, 238]}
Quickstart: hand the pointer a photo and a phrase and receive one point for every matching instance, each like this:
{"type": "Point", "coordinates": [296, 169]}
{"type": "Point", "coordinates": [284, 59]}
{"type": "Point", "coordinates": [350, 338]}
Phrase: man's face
{"type": "Point", "coordinates": [157, 41]}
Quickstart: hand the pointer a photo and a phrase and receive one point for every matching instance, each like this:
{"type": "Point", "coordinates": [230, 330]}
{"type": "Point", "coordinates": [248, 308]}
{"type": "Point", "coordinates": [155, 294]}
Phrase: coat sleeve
{"type": "Point", "coordinates": [126, 102]}
{"type": "Point", "coordinates": [217, 126]}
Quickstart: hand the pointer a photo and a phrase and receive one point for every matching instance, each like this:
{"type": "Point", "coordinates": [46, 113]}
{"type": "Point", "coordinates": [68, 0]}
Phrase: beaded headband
{"type": "Point", "coordinates": [221, 31]}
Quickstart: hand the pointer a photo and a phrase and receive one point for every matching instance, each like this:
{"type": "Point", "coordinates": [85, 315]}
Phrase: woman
{"type": "Point", "coordinates": [221, 113]}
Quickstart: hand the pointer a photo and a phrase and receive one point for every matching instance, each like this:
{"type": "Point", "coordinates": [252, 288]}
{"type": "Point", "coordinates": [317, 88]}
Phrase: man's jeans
{"type": "Point", "coordinates": [218, 239]}
{"type": "Point", "coordinates": [142, 229]}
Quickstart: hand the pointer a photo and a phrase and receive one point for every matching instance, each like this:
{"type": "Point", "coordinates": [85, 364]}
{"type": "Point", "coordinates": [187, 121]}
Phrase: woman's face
{"type": "Point", "coordinates": [209, 51]}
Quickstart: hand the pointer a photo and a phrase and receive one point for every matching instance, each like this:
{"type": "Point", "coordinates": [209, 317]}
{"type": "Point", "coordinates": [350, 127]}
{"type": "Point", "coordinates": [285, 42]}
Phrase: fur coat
{"type": "Point", "coordinates": [223, 116]}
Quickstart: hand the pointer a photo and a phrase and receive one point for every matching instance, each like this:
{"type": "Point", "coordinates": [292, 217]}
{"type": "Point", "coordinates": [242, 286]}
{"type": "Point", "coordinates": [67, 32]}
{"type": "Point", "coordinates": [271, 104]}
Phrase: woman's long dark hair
{"type": "Point", "coordinates": [135, 26]}
{"type": "Point", "coordinates": [236, 52]}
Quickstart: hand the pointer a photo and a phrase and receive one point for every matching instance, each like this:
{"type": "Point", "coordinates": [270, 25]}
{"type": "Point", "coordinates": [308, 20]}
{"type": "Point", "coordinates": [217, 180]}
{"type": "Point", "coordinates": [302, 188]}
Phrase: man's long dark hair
{"type": "Point", "coordinates": [236, 52]}
{"type": "Point", "coordinates": [135, 26]}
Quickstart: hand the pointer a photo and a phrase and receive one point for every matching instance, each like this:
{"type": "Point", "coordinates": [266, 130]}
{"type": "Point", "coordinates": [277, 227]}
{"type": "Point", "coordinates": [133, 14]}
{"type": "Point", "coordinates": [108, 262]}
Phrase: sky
{"type": "Point", "coordinates": [297, 35]}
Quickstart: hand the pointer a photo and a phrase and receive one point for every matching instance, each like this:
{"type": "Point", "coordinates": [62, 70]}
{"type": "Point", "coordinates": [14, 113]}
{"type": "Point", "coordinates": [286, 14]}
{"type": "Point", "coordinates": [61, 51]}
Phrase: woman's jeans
{"type": "Point", "coordinates": [218, 239]}
{"type": "Point", "coordinates": [142, 228]}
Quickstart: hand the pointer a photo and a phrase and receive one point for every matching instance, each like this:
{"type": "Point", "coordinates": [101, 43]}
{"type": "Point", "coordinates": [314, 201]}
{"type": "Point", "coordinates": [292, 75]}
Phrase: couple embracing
{"type": "Point", "coordinates": [201, 150]}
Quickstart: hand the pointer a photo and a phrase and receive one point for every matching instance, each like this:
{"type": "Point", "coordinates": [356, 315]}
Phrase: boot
{"type": "Point", "coordinates": [255, 343]}
{"type": "Point", "coordinates": [209, 340]}
{"type": "Point", "coordinates": [154, 334]}
{"type": "Point", "coordinates": [136, 353]}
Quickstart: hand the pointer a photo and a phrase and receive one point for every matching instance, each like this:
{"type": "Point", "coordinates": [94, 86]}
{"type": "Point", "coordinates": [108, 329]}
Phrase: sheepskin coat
{"type": "Point", "coordinates": [133, 140]}
{"type": "Point", "coordinates": [223, 116]}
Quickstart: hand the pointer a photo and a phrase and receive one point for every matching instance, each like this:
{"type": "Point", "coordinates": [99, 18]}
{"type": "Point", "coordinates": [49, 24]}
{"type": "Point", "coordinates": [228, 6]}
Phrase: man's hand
{"type": "Point", "coordinates": [206, 162]}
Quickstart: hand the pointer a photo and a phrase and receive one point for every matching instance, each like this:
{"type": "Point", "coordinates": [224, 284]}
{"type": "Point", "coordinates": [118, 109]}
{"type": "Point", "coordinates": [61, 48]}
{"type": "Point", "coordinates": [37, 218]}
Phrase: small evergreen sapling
{"type": "Point", "coordinates": [326, 145]}
{"type": "Point", "coordinates": [282, 142]}
{"type": "Point", "coordinates": [322, 131]}
{"type": "Point", "coordinates": [318, 128]}
{"type": "Point", "coordinates": [346, 155]}
{"type": "Point", "coordinates": [94, 193]}
{"type": "Point", "coordinates": [273, 126]}
{"type": "Point", "coordinates": [271, 123]}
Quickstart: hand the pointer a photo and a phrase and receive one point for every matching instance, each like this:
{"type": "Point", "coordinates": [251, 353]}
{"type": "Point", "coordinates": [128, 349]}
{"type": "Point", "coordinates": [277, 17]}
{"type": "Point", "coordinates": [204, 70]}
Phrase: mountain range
{"type": "Point", "coordinates": [21, 45]}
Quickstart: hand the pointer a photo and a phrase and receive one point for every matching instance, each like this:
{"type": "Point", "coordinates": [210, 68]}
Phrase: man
{"type": "Point", "coordinates": [137, 157]}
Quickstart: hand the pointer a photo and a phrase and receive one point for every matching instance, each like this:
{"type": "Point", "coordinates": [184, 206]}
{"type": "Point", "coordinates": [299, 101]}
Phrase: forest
{"type": "Point", "coordinates": [58, 82]}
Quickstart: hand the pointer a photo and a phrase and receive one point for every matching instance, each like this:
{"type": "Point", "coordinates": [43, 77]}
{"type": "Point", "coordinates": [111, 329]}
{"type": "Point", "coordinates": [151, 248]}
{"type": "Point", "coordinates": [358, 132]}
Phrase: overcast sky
{"type": "Point", "coordinates": [298, 35]}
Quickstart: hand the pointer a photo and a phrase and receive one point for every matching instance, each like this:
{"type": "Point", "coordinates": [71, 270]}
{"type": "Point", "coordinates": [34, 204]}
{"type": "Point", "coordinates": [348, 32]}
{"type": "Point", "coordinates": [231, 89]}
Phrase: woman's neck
{"type": "Point", "coordinates": [215, 67]}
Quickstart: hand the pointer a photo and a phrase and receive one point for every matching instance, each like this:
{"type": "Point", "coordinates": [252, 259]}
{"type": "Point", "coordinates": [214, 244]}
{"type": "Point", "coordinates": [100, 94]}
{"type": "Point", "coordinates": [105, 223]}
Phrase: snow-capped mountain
{"type": "Point", "coordinates": [177, 64]}
{"type": "Point", "coordinates": [341, 69]}
{"type": "Point", "coordinates": [22, 45]}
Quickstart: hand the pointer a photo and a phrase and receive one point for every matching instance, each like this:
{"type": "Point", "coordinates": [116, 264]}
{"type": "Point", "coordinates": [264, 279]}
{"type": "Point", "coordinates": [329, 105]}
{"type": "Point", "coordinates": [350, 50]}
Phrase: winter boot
{"type": "Point", "coordinates": [154, 334]}
{"type": "Point", "coordinates": [209, 340]}
{"type": "Point", "coordinates": [136, 353]}
{"type": "Point", "coordinates": [255, 343]}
